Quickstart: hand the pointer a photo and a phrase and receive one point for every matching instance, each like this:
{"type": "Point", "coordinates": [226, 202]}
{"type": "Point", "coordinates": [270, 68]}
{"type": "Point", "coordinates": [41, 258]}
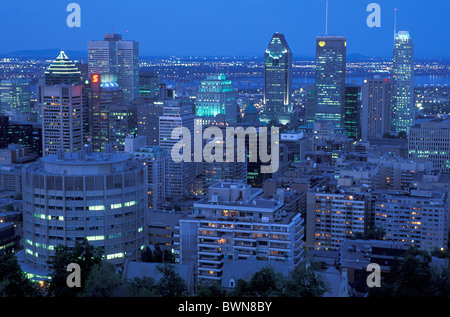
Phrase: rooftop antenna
{"type": "Point", "coordinates": [395, 21]}
{"type": "Point", "coordinates": [326, 18]}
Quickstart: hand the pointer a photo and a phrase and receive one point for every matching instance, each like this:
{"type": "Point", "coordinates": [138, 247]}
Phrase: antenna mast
{"type": "Point", "coordinates": [326, 18]}
{"type": "Point", "coordinates": [395, 21]}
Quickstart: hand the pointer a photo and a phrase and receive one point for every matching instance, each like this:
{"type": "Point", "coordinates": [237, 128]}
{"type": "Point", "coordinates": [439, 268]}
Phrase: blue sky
{"type": "Point", "coordinates": [219, 27]}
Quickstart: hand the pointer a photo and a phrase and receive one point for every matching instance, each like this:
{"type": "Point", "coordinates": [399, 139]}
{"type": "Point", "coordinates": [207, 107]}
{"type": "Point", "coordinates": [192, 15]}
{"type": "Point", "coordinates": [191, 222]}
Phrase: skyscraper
{"type": "Point", "coordinates": [115, 56]}
{"type": "Point", "coordinates": [331, 52]}
{"type": "Point", "coordinates": [180, 175]}
{"type": "Point", "coordinates": [62, 71]}
{"type": "Point", "coordinates": [62, 118]}
{"type": "Point", "coordinates": [429, 142]}
{"type": "Point", "coordinates": [15, 95]}
{"type": "Point", "coordinates": [216, 96]}
{"type": "Point", "coordinates": [403, 113]}
{"type": "Point", "coordinates": [352, 111]}
{"type": "Point", "coordinates": [277, 81]}
{"type": "Point", "coordinates": [375, 107]}
{"type": "Point", "coordinates": [105, 93]}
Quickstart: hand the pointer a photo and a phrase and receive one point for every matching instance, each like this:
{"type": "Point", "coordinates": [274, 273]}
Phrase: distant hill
{"type": "Point", "coordinates": [48, 53]}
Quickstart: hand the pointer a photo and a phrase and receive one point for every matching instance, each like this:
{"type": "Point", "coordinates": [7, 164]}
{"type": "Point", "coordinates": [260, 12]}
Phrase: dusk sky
{"type": "Point", "coordinates": [231, 27]}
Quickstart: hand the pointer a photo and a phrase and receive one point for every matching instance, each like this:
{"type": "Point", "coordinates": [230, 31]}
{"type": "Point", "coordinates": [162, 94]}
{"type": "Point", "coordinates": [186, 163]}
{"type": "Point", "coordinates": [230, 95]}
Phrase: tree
{"type": "Point", "coordinates": [264, 283]}
{"type": "Point", "coordinates": [171, 283]}
{"type": "Point", "coordinates": [147, 255]}
{"type": "Point", "coordinates": [411, 276]}
{"type": "Point", "coordinates": [13, 281]}
{"type": "Point", "coordinates": [84, 254]}
{"type": "Point", "coordinates": [305, 282]}
{"type": "Point", "coordinates": [210, 290]}
{"type": "Point", "coordinates": [103, 281]}
{"type": "Point", "coordinates": [157, 254]}
{"type": "Point", "coordinates": [141, 287]}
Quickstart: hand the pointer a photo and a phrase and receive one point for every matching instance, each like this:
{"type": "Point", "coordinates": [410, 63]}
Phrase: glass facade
{"type": "Point", "coordinates": [330, 79]}
{"type": "Point", "coordinates": [403, 113]}
{"type": "Point", "coordinates": [277, 81]}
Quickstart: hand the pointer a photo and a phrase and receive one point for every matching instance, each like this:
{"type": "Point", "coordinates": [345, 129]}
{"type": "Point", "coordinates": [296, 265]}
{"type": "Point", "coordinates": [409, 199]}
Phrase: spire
{"type": "Point", "coordinates": [62, 56]}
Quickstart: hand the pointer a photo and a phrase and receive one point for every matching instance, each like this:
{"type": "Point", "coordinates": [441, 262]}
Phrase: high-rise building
{"type": "Point", "coordinates": [352, 110]}
{"type": "Point", "coordinates": [148, 121]}
{"type": "Point", "coordinates": [105, 93]}
{"type": "Point", "coordinates": [15, 95]}
{"type": "Point", "coordinates": [403, 112]}
{"type": "Point", "coordinates": [148, 85]}
{"type": "Point", "coordinates": [116, 56]}
{"type": "Point", "coordinates": [331, 52]}
{"type": "Point", "coordinates": [334, 215]}
{"type": "Point", "coordinates": [122, 123]}
{"type": "Point", "coordinates": [70, 197]}
{"type": "Point", "coordinates": [62, 71]}
{"type": "Point", "coordinates": [375, 107]}
{"type": "Point", "coordinates": [277, 103]}
{"type": "Point", "coordinates": [62, 118]}
{"type": "Point", "coordinates": [429, 141]}
{"type": "Point", "coordinates": [418, 218]}
{"type": "Point", "coordinates": [216, 96]}
{"type": "Point", "coordinates": [236, 222]}
{"type": "Point", "coordinates": [180, 174]}
{"type": "Point", "coordinates": [157, 161]}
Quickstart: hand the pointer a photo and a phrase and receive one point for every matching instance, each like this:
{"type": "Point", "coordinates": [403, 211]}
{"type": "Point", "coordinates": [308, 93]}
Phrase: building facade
{"type": "Point", "coordinates": [116, 56]}
{"type": "Point", "coordinates": [235, 222]}
{"type": "Point", "coordinates": [403, 111]}
{"type": "Point", "coordinates": [331, 54]}
{"type": "Point", "coordinates": [69, 197]}
{"type": "Point", "coordinates": [62, 118]}
{"type": "Point", "coordinates": [277, 103]}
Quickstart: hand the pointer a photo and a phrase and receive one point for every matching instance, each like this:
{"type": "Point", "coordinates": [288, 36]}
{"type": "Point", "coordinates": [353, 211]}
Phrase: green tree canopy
{"type": "Point", "coordinates": [83, 254]}
{"type": "Point", "coordinates": [13, 281]}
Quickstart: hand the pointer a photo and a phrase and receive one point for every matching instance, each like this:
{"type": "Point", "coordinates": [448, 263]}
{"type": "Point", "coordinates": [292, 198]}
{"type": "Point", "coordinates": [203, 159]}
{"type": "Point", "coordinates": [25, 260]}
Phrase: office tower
{"type": "Point", "coordinates": [334, 215]}
{"type": "Point", "coordinates": [105, 93]}
{"type": "Point", "coordinates": [297, 144]}
{"type": "Point", "coordinates": [403, 112]}
{"type": "Point", "coordinates": [15, 95]}
{"type": "Point", "coordinates": [418, 218]}
{"type": "Point", "coordinates": [27, 134]}
{"type": "Point", "coordinates": [277, 103]}
{"type": "Point", "coordinates": [235, 222]}
{"type": "Point", "coordinates": [4, 125]}
{"type": "Point", "coordinates": [122, 123]}
{"type": "Point", "coordinates": [397, 173]}
{"type": "Point", "coordinates": [62, 71]}
{"type": "Point", "coordinates": [69, 197]}
{"type": "Point", "coordinates": [148, 85]}
{"type": "Point", "coordinates": [62, 118]}
{"type": "Point", "coordinates": [216, 96]}
{"type": "Point", "coordinates": [375, 108]}
{"type": "Point", "coordinates": [180, 175]}
{"type": "Point", "coordinates": [352, 110]}
{"type": "Point", "coordinates": [157, 161]}
{"type": "Point", "coordinates": [310, 104]}
{"type": "Point", "coordinates": [116, 56]}
{"type": "Point", "coordinates": [148, 121]}
{"type": "Point", "coordinates": [214, 172]}
{"type": "Point", "coordinates": [429, 142]}
{"type": "Point", "coordinates": [331, 54]}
